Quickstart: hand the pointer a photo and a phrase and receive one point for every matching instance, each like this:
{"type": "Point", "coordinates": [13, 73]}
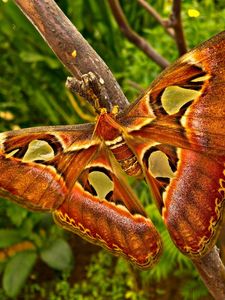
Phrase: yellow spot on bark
{"type": "Point", "coordinates": [74, 53]}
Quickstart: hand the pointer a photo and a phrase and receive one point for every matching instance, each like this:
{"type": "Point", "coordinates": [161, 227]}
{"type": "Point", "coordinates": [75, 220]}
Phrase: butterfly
{"type": "Point", "coordinates": [173, 137]}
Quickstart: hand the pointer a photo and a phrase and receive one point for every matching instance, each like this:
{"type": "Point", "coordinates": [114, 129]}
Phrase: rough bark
{"type": "Point", "coordinates": [70, 46]}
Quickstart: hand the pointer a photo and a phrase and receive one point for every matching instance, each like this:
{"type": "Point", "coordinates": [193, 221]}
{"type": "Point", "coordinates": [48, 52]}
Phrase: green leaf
{"type": "Point", "coordinates": [2, 267]}
{"type": "Point", "coordinates": [16, 272]}
{"type": "Point", "coordinates": [16, 214]}
{"type": "Point", "coordinates": [9, 237]}
{"type": "Point", "coordinates": [58, 255]}
{"type": "Point", "coordinates": [32, 57]}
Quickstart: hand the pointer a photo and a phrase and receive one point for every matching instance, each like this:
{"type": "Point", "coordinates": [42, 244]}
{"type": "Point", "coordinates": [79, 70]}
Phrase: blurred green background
{"type": "Point", "coordinates": [38, 260]}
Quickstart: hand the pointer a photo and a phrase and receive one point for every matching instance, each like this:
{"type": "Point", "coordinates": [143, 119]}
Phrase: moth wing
{"type": "Point", "coordinates": [50, 168]}
{"type": "Point", "coordinates": [184, 105]}
{"type": "Point", "coordinates": [194, 202]}
{"type": "Point", "coordinates": [102, 208]}
{"type": "Point", "coordinates": [190, 135]}
{"type": "Point", "coordinates": [38, 165]}
{"type": "Point", "coordinates": [189, 189]}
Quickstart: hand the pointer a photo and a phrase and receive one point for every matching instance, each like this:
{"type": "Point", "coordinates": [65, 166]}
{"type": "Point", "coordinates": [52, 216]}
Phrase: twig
{"type": "Point", "coordinates": [157, 17]}
{"type": "Point", "coordinates": [212, 272]}
{"type": "Point", "coordinates": [70, 46]}
{"type": "Point", "coordinates": [135, 85]}
{"type": "Point", "coordinates": [133, 37]}
{"type": "Point", "coordinates": [176, 24]}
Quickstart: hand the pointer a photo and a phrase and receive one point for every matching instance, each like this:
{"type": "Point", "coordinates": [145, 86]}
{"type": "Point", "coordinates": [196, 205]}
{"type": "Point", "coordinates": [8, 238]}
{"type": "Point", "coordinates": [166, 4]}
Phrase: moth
{"type": "Point", "coordinates": [173, 136]}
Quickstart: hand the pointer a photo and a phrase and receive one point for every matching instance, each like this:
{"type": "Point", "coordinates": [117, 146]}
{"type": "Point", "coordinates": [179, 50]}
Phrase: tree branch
{"type": "Point", "coordinates": [70, 47]}
{"type": "Point", "coordinates": [157, 17]}
{"type": "Point", "coordinates": [176, 23]}
{"type": "Point", "coordinates": [133, 37]}
{"type": "Point", "coordinates": [212, 272]}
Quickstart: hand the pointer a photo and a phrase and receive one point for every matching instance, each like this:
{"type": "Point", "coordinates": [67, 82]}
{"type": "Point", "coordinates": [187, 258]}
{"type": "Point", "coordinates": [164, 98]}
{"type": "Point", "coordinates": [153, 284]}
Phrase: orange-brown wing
{"type": "Point", "coordinates": [194, 202]}
{"type": "Point", "coordinates": [189, 189]}
{"type": "Point", "coordinates": [184, 105]}
{"type": "Point", "coordinates": [63, 169]}
{"type": "Point", "coordinates": [102, 208]}
{"type": "Point", "coordinates": [177, 130]}
{"type": "Point", "coordinates": [35, 163]}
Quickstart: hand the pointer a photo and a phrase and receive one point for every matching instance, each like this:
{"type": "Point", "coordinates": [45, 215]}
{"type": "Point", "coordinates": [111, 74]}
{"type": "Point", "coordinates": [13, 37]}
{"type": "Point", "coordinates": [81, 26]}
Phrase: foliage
{"type": "Point", "coordinates": [32, 93]}
{"type": "Point", "coordinates": [23, 262]}
{"type": "Point", "coordinates": [24, 239]}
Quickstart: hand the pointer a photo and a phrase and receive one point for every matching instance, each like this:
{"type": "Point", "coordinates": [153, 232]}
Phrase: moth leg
{"type": "Point", "coordinates": [92, 88]}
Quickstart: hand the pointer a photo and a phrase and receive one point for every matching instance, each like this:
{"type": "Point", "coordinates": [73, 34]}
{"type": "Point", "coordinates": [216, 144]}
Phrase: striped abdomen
{"type": "Point", "coordinates": [125, 156]}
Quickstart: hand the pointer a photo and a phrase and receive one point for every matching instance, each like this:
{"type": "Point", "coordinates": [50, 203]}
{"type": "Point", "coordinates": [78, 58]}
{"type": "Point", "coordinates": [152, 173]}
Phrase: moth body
{"type": "Point", "coordinates": [111, 133]}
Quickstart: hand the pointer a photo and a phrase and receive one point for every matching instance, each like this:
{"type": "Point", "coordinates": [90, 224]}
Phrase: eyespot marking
{"type": "Point", "coordinates": [174, 97]}
{"type": "Point", "coordinates": [38, 150]}
{"type": "Point", "coordinates": [201, 78]}
{"type": "Point", "coordinates": [159, 165]}
{"type": "Point", "coordinates": [102, 184]}
{"type": "Point", "coordinates": [8, 155]}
